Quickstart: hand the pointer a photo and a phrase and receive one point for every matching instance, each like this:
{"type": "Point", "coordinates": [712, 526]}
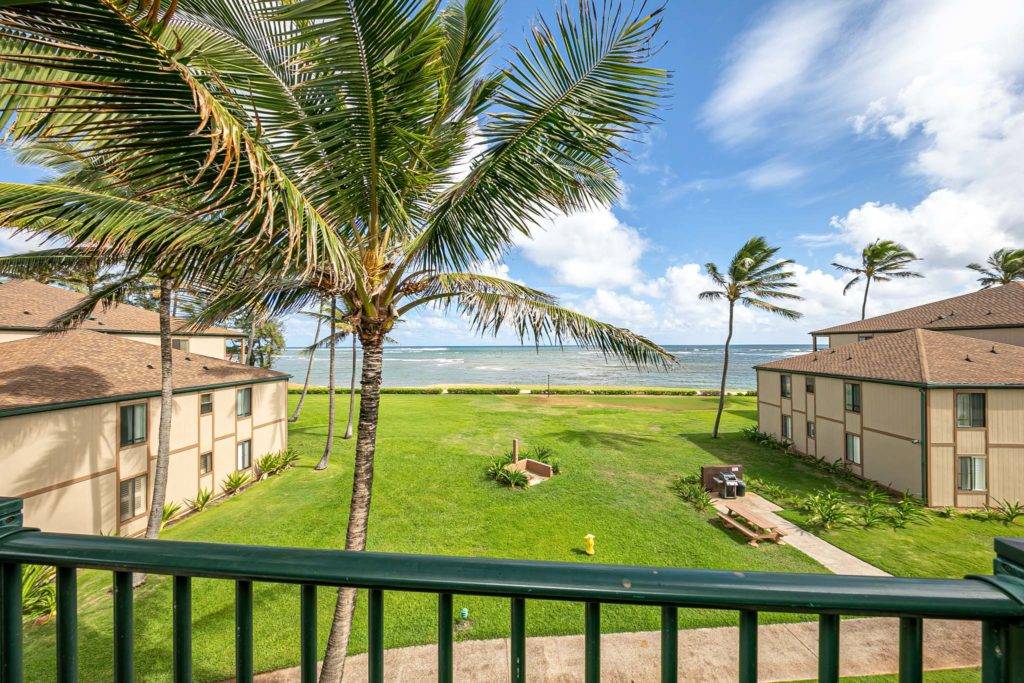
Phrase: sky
{"type": "Point", "coordinates": [820, 125]}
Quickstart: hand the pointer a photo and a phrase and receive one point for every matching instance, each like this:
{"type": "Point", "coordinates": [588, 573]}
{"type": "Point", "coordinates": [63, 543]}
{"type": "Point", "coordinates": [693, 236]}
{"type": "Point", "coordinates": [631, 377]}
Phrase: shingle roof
{"type": "Point", "coordinates": [83, 366]}
{"type": "Point", "coordinates": [1001, 306]}
{"type": "Point", "coordinates": [31, 305]}
{"type": "Point", "coordinates": [923, 357]}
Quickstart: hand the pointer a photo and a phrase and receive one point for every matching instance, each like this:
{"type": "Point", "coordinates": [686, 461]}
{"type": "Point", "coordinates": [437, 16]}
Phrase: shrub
{"type": "Point", "coordinates": [267, 465]}
{"type": "Point", "coordinates": [201, 501]}
{"type": "Point", "coordinates": [692, 492]}
{"type": "Point", "coordinates": [38, 592]}
{"type": "Point", "coordinates": [483, 390]}
{"type": "Point", "coordinates": [233, 482]}
{"type": "Point", "coordinates": [908, 510]}
{"type": "Point", "coordinates": [947, 512]}
{"type": "Point", "coordinates": [1008, 512]}
{"type": "Point", "coordinates": [979, 515]}
{"type": "Point", "coordinates": [410, 390]}
{"type": "Point", "coordinates": [826, 509]}
{"type": "Point", "coordinates": [514, 479]}
{"type": "Point", "coordinates": [539, 453]}
{"type": "Point", "coordinates": [286, 458]}
{"type": "Point", "coordinates": [168, 513]}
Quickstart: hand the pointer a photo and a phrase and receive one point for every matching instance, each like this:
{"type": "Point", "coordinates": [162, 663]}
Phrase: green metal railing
{"type": "Point", "coordinates": [996, 601]}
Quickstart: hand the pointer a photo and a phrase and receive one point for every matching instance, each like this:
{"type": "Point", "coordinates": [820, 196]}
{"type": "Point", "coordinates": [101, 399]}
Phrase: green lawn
{"type": "Point", "coordinates": [618, 454]}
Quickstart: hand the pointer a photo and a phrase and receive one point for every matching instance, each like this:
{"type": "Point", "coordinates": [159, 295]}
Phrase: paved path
{"type": "Point", "coordinates": [786, 652]}
{"type": "Point", "coordinates": [827, 555]}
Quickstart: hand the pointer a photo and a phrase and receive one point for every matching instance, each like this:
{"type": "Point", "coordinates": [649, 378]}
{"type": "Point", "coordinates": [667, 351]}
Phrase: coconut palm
{"type": "Point", "coordinates": [754, 276]}
{"type": "Point", "coordinates": [882, 261]}
{"type": "Point", "coordinates": [1002, 267]}
{"type": "Point", "coordinates": [340, 328]}
{"type": "Point", "coordinates": [309, 369]}
{"type": "Point", "coordinates": [357, 150]}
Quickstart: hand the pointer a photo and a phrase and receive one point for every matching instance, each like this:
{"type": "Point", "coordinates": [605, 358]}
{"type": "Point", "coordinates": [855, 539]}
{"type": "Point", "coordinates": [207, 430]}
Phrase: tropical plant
{"type": "Point", "coordinates": [947, 512]}
{"type": "Point", "coordinates": [514, 479]}
{"type": "Point", "coordinates": [267, 465]}
{"type": "Point", "coordinates": [38, 591]}
{"type": "Point", "coordinates": [1007, 512]}
{"type": "Point", "coordinates": [826, 509]}
{"type": "Point", "coordinates": [692, 491]}
{"type": "Point", "coordinates": [201, 501]}
{"type": "Point", "coordinates": [753, 278]}
{"type": "Point", "coordinates": [355, 149]}
{"type": "Point", "coordinates": [1002, 267]}
{"type": "Point", "coordinates": [907, 510]}
{"type": "Point", "coordinates": [881, 261]}
{"type": "Point", "coordinates": [234, 482]}
{"type": "Point", "coordinates": [287, 458]}
{"type": "Point", "coordinates": [168, 512]}
{"type": "Point", "coordinates": [266, 342]}
{"type": "Point", "coordinates": [979, 514]}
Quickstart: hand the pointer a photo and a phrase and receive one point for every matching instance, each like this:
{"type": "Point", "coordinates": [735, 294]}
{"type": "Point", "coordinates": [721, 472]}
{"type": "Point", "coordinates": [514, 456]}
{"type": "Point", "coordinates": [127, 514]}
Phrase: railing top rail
{"type": "Point", "coordinates": [781, 592]}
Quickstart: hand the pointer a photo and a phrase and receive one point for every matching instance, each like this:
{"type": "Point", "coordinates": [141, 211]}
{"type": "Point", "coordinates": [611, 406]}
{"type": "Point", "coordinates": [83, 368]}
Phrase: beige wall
{"type": "Point", "coordinates": [67, 464]}
{"type": "Point", "coordinates": [837, 340]}
{"type": "Point", "coordinates": [215, 347]}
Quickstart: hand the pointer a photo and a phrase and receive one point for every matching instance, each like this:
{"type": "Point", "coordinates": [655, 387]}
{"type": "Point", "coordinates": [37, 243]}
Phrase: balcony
{"type": "Point", "coordinates": [996, 601]}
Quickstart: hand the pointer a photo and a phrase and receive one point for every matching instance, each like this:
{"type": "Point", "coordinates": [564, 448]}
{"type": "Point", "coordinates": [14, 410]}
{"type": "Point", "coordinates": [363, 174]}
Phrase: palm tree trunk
{"type": "Point", "coordinates": [309, 369]}
{"type": "Point", "coordinates": [329, 446]}
{"type": "Point", "coordinates": [163, 450]}
{"type": "Point", "coordinates": [864, 305]}
{"type": "Point", "coordinates": [351, 392]}
{"type": "Point", "coordinates": [249, 358]}
{"type": "Point", "coordinates": [359, 510]}
{"type": "Point", "coordinates": [725, 373]}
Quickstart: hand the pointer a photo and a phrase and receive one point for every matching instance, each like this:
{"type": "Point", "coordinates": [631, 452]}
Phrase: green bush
{"type": "Point", "coordinates": [267, 465]}
{"type": "Point", "coordinates": [692, 492]}
{"type": "Point", "coordinates": [1008, 512]}
{"type": "Point", "coordinates": [826, 509]}
{"type": "Point", "coordinates": [201, 501]}
{"type": "Point", "coordinates": [38, 592]}
{"type": "Point", "coordinates": [233, 482]}
{"type": "Point", "coordinates": [168, 513]}
{"type": "Point", "coordinates": [483, 390]}
{"type": "Point", "coordinates": [908, 510]}
{"type": "Point", "coordinates": [411, 390]}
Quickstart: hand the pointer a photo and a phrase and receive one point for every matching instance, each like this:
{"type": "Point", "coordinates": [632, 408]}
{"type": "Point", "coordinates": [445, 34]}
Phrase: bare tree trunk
{"type": "Point", "coordinates": [864, 305]}
{"type": "Point", "coordinates": [309, 369]}
{"type": "Point", "coordinates": [329, 446]}
{"type": "Point", "coordinates": [725, 373]}
{"type": "Point", "coordinates": [351, 392]}
{"type": "Point", "coordinates": [249, 357]}
{"type": "Point", "coordinates": [159, 496]}
{"type": "Point", "coordinates": [359, 510]}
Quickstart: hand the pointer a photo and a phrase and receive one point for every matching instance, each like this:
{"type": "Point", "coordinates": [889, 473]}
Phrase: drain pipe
{"type": "Point", "coordinates": [924, 445]}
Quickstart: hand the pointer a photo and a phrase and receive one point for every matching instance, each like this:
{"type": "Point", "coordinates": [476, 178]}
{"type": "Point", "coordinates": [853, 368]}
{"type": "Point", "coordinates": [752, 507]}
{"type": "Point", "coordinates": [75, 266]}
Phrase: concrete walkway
{"type": "Point", "coordinates": [827, 555]}
{"type": "Point", "coordinates": [786, 652]}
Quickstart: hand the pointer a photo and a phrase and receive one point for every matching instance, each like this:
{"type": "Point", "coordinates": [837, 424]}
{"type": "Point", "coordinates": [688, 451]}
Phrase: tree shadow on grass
{"type": "Point", "coordinates": [594, 437]}
{"type": "Point", "coordinates": [745, 414]}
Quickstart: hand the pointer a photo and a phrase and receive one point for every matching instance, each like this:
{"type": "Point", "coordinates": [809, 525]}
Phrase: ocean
{"type": "Point", "coordinates": [700, 366]}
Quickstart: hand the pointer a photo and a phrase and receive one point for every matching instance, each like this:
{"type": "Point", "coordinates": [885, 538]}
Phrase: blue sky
{"type": "Point", "coordinates": [820, 125]}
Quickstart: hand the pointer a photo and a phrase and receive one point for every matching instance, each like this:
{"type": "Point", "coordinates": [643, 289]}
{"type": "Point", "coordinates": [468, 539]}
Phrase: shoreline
{"type": "Point", "coordinates": [536, 389]}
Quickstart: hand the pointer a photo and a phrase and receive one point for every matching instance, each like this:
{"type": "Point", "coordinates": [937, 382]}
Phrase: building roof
{"type": "Point", "coordinates": [81, 366]}
{"type": "Point", "coordinates": [31, 305]}
{"type": "Point", "coordinates": [1001, 306]}
{"type": "Point", "coordinates": [919, 357]}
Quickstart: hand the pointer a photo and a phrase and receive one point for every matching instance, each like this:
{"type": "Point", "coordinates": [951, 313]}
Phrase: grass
{"type": "Point", "coordinates": [941, 676]}
{"type": "Point", "coordinates": [619, 455]}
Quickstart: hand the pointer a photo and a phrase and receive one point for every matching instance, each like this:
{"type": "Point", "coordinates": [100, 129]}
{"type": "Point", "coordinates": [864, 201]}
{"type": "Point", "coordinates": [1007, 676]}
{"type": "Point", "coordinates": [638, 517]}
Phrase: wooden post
{"type": "Point", "coordinates": [515, 450]}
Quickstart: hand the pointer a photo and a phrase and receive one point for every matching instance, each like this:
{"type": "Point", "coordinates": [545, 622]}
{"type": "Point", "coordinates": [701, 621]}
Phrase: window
{"type": "Point", "coordinates": [809, 384]}
{"type": "Point", "coordinates": [853, 397]}
{"type": "Point", "coordinates": [864, 337]}
{"type": "Point", "coordinates": [786, 386]}
{"type": "Point", "coordinates": [810, 429]}
{"type": "Point", "coordinates": [180, 344]}
{"type": "Point", "coordinates": [205, 463]}
{"type": "Point", "coordinates": [133, 424]}
{"type": "Point", "coordinates": [243, 402]}
{"type": "Point", "coordinates": [133, 497]}
{"type": "Point", "coordinates": [787, 426]}
{"type": "Point", "coordinates": [243, 455]}
{"type": "Point", "coordinates": [853, 448]}
{"type": "Point", "coordinates": [972, 474]}
{"type": "Point", "coordinates": [205, 404]}
{"type": "Point", "coordinates": [970, 410]}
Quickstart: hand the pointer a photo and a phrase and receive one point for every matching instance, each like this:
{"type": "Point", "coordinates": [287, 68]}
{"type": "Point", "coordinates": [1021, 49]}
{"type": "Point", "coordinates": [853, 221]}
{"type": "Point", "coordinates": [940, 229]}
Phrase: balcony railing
{"type": "Point", "coordinates": [996, 601]}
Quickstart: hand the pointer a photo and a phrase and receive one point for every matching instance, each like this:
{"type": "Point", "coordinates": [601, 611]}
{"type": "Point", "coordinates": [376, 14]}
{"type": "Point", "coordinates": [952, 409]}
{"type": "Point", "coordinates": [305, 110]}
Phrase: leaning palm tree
{"type": "Point", "coordinates": [882, 261]}
{"type": "Point", "coordinates": [340, 328]}
{"type": "Point", "coordinates": [1002, 267]}
{"type": "Point", "coordinates": [309, 370]}
{"type": "Point", "coordinates": [357, 150]}
{"type": "Point", "coordinates": [753, 277]}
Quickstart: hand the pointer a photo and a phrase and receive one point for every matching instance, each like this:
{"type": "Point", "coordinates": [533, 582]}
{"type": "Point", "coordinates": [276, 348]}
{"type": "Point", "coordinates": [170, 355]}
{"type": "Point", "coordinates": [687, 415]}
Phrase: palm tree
{"type": "Point", "coordinates": [341, 328]}
{"type": "Point", "coordinates": [309, 369]}
{"type": "Point", "coordinates": [752, 278]}
{"type": "Point", "coordinates": [882, 260]}
{"type": "Point", "coordinates": [1002, 267]}
{"type": "Point", "coordinates": [356, 150]}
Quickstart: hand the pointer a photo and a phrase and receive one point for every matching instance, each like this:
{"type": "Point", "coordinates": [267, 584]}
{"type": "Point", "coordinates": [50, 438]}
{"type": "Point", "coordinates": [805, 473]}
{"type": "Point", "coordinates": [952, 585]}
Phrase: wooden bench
{"type": "Point", "coordinates": [750, 524]}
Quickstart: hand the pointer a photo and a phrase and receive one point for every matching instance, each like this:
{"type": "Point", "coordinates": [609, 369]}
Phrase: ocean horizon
{"type": "Point", "coordinates": [700, 366]}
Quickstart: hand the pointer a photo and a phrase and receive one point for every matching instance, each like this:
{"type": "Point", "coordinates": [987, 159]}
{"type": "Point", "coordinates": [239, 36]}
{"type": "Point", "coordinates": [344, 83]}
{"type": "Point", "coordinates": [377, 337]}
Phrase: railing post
{"type": "Point", "coordinates": [10, 599]}
{"type": "Point", "coordinates": [1009, 562]}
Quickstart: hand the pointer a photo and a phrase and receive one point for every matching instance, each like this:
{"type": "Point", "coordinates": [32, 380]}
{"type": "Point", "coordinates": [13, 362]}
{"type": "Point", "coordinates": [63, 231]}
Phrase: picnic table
{"type": "Point", "coordinates": [749, 523]}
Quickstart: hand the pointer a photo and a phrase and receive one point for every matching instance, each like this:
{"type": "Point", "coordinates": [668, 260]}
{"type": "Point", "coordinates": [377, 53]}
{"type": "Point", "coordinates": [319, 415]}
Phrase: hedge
{"type": "Point", "coordinates": [555, 391]}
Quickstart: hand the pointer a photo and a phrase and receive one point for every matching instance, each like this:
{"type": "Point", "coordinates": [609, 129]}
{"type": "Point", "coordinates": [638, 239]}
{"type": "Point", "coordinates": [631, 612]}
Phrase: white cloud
{"type": "Point", "coordinates": [773, 175]}
{"type": "Point", "coordinates": [591, 249]}
{"type": "Point", "coordinates": [16, 244]}
{"type": "Point", "coordinates": [621, 309]}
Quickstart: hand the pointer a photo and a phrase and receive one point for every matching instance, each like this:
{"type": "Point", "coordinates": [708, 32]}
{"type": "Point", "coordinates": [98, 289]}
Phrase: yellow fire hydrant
{"type": "Point", "coordinates": [588, 544]}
